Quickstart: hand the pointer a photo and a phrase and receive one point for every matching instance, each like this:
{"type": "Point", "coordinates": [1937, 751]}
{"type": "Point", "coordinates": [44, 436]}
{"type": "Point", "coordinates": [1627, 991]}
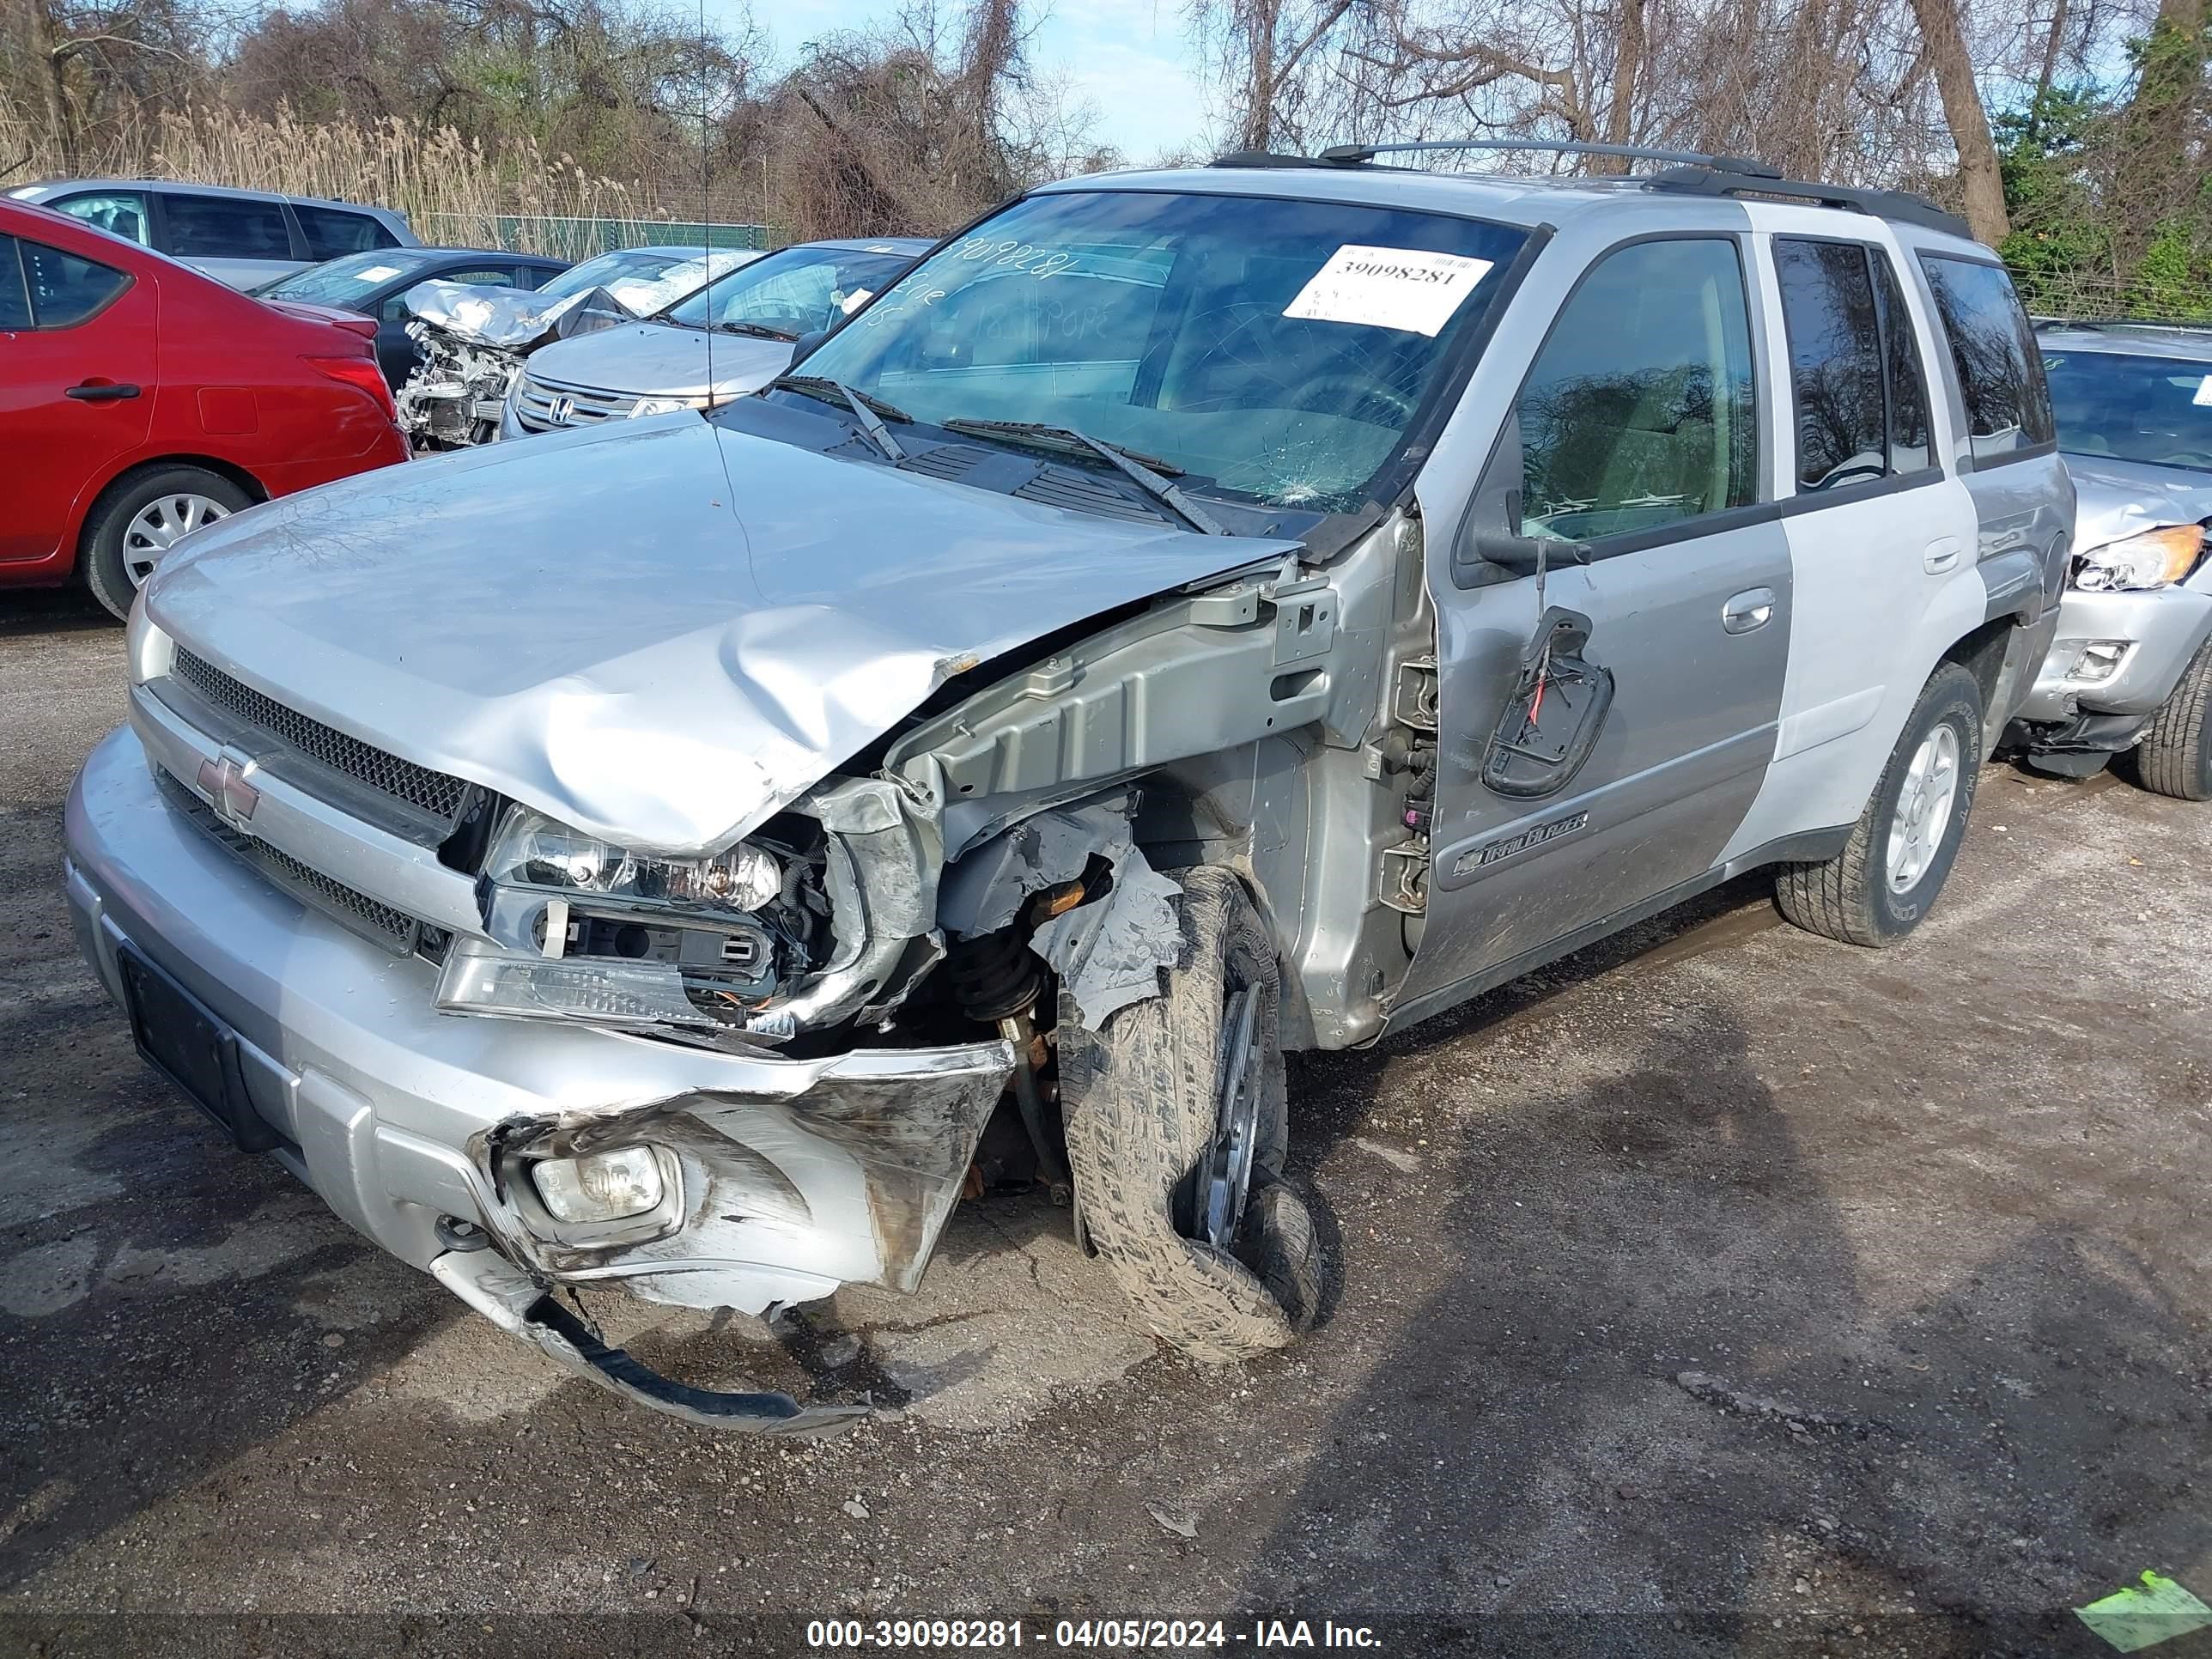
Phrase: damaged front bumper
{"type": "Point", "coordinates": [2119, 652]}
{"type": "Point", "coordinates": [789, 1178]}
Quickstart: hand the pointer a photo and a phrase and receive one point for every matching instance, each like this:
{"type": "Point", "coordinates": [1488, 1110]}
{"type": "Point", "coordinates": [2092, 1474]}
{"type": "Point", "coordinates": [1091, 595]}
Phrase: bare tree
{"type": "Point", "coordinates": [1979, 180]}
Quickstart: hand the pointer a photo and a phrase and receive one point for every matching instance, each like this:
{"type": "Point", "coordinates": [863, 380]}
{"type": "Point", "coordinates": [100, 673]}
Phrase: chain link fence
{"type": "Point", "coordinates": [2106, 299]}
{"type": "Point", "coordinates": [585, 239]}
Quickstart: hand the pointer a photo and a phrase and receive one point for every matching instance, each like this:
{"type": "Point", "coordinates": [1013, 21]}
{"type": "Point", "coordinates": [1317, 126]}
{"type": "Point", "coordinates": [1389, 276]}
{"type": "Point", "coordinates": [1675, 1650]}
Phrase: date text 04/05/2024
{"type": "Point", "coordinates": [1089, 1634]}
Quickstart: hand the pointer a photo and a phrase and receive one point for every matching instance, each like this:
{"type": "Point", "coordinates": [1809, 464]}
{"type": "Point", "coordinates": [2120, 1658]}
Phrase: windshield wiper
{"type": "Point", "coordinates": [1148, 472]}
{"type": "Point", "coordinates": [867, 410]}
{"type": "Point", "coordinates": [753, 330]}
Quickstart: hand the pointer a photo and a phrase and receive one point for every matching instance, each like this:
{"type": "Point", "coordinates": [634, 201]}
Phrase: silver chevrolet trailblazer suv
{"type": "Point", "coordinates": [1190, 616]}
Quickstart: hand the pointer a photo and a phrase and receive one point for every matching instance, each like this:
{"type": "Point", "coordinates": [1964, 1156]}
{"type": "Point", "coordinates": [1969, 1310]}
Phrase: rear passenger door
{"type": "Point", "coordinates": [240, 240]}
{"type": "Point", "coordinates": [1881, 531]}
{"type": "Point", "coordinates": [2007, 440]}
{"type": "Point", "coordinates": [1636, 431]}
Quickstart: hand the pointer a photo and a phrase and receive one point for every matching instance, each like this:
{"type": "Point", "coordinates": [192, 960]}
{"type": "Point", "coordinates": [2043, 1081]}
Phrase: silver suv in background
{"type": "Point", "coordinates": [2131, 670]}
{"type": "Point", "coordinates": [243, 238]}
{"type": "Point", "coordinates": [745, 324]}
{"type": "Point", "coordinates": [1192, 617]}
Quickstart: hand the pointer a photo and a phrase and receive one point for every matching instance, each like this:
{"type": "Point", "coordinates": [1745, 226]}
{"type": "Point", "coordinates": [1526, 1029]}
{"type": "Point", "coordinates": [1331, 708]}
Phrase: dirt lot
{"type": "Point", "coordinates": [1722, 1292]}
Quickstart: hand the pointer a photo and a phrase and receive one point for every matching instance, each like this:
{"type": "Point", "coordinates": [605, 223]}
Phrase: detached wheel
{"type": "Point", "coordinates": [1876, 890]}
{"type": "Point", "coordinates": [1177, 1117]}
{"type": "Point", "coordinates": [141, 518]}
{"type": "Point", "coordinates": [2175, 755]}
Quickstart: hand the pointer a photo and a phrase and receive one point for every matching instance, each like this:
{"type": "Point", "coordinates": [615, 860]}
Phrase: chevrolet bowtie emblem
{"type": "Point", "coordinates": [222, 781]}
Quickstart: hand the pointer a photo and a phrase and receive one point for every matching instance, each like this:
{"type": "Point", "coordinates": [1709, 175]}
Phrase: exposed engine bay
{"type": "Point", "coordinates": [473, 341]}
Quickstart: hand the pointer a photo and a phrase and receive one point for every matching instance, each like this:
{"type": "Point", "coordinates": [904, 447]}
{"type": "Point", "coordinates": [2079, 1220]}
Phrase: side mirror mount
{"type": "Point", "coordinates": [1493, 544]}
{"type": "Point", "coordinates": [1519, 556]}
{"type": "Point", "coordinates": [806, 343]}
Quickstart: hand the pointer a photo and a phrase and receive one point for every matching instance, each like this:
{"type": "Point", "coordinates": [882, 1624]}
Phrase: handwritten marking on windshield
{"type": "Point", "coordinates": [1038, 262]}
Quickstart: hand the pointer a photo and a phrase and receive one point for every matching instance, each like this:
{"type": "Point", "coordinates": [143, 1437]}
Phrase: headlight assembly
{"type": "Point", "coordinates": [667, 405]}
{"type": "Point", "coordinates": [532, 851]}
{"type": "Point", "coordinates": [2155, 558]}
{"type": "Point", "coordinates": [584, 929]}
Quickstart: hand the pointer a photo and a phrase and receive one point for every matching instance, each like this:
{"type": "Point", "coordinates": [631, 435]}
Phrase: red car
{"type": "Point", "coordinates": [139, 400]}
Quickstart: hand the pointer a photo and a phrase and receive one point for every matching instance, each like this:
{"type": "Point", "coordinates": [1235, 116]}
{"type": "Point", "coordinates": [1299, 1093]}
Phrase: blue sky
{"type": "Point", "coordinates": [1130, 61]}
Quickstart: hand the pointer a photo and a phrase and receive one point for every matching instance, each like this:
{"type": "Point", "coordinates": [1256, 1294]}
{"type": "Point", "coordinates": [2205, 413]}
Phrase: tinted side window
{"type": "Point", "coordinates": [15, 303]}
{"type": "Point", "coordinates": [2000, 374]}
{"type": "Point", "coordinates": [331, 232]}
{"type": "Point", "coordinates": [66, 290]}
{"type": "Point", "coordinates": [1835, 362]}
{"type": "Point", "coordinates": [1908, 389]}
{"type": "Point", "coordinates": [1639, 410]}
{"type": "Point", "coordinates": [225, 228]}
{"type": "Point", "coordinates": [119, 212]}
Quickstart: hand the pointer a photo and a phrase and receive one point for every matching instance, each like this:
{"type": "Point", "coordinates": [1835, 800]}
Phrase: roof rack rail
{"type": "Point", "coordinates": [1353, 155]}
{"type": "Point", "coordinates": [1700, 179]}
{"type": "Point", "coordinates": [1689, 173]}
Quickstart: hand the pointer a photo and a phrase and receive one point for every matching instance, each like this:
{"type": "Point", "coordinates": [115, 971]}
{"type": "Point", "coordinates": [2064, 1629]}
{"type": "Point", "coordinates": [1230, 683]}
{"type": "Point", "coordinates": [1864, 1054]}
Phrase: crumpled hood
{"type": "Point", "coordinates": [661, 360]}
{"type": "Point", "coordinates": [2115, 499]}
{"type": "Point", "coordinates": [660, 633]}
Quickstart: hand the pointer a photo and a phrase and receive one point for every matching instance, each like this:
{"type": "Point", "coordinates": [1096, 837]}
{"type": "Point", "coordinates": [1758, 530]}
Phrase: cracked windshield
{"type": "Point", "coordinates": [1269, 350]}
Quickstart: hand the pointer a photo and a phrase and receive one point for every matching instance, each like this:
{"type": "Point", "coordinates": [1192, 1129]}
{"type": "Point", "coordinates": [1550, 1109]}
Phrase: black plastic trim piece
{"type": "Point", "coordinates": [761, 1413]}
{"type": "Point", "coordinates": [1899, 206]}
{"type": "Point", "coordinates": [1894, 484]}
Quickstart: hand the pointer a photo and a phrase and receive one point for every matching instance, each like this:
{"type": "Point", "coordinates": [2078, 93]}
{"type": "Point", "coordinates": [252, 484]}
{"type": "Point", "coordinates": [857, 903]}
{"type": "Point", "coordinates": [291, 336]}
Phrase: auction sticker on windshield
{"type": "Point", "coordinates": [1406, 289]}
{"type": "Point", "coordinates": [2203, 391]}
{"type": "Point", "coordinates": [375, 273]}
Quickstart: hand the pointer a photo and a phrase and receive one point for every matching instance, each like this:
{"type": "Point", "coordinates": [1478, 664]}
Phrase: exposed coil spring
{"type": "Point", "coordinates": [995, 977]}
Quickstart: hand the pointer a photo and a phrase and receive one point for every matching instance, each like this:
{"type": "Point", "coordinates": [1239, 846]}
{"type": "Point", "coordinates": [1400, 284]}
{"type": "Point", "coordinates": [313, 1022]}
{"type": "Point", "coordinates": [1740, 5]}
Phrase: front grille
{"type": "Point", "coordinates": [438, 794]}
{"type": "Point", "coordinates": [542, 405]}
{"type": "Point", "coordinates": [374, 919]}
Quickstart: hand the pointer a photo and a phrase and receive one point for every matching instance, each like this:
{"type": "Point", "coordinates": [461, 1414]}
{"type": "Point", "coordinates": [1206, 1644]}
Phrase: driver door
{"type": "Point", "coordinates": [1635, 435]}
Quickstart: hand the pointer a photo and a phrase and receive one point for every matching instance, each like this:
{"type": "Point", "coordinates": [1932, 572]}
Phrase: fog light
{"type": "Point", "coordinates": [622, 1181]}
{"type": "Point", "coordinates": [2099, 660]}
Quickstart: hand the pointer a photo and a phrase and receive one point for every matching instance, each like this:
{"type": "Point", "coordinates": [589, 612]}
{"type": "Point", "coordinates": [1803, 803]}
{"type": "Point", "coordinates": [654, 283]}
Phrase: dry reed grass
{"type": "Point", "coordinates": [471, 195]}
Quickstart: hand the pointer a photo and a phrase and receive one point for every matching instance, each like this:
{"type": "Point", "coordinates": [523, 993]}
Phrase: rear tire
{"type": "Point", "coordinates": [112, 561]}
{"type": "Point", "coordinates": [1141, 1102]}
{"type": "Point", "coordinates": [1876, 890]}
{"type": "Point", "coordinates": [2175, 755]}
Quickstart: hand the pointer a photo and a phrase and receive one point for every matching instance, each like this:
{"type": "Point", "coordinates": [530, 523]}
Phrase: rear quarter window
{"type": "Point", "coordinates": [225, 228]}
{"type": "Point", "coordinates": [66, 289]}
{"type": "Point", "coordinates": [1993, 349]}
{"type": "Point", "coordinates": [332, 231]}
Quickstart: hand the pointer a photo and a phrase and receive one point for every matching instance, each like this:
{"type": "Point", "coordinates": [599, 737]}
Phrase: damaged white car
{"type": "Point", "coordinates": [473, 340]}
{"type": "Point", "coordinates": [1191, 616]}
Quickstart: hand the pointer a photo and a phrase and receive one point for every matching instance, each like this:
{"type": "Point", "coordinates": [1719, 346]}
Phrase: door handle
{"type": "Point", "coordinates": [1942, 554]}
{"type": "Point", "coordinates": [1753, 608]}
{"type": "Point", "coordinates": [101, 391]}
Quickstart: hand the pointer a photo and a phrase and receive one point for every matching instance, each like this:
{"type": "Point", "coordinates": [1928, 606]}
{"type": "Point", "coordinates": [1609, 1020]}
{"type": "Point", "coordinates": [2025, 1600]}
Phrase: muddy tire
{"type": "Point", "coordinates": [1876, 890]}
{"type": "Point", "coordinates": [1141, 1104]}
{"type": "Point", "coordinates": [2175, 755]}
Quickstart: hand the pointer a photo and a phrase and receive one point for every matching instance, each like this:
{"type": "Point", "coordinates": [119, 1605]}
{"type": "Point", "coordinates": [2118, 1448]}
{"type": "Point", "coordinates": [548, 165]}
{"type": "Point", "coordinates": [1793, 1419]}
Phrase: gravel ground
{"type": "Point", "coordinates": [1718, 1291]}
